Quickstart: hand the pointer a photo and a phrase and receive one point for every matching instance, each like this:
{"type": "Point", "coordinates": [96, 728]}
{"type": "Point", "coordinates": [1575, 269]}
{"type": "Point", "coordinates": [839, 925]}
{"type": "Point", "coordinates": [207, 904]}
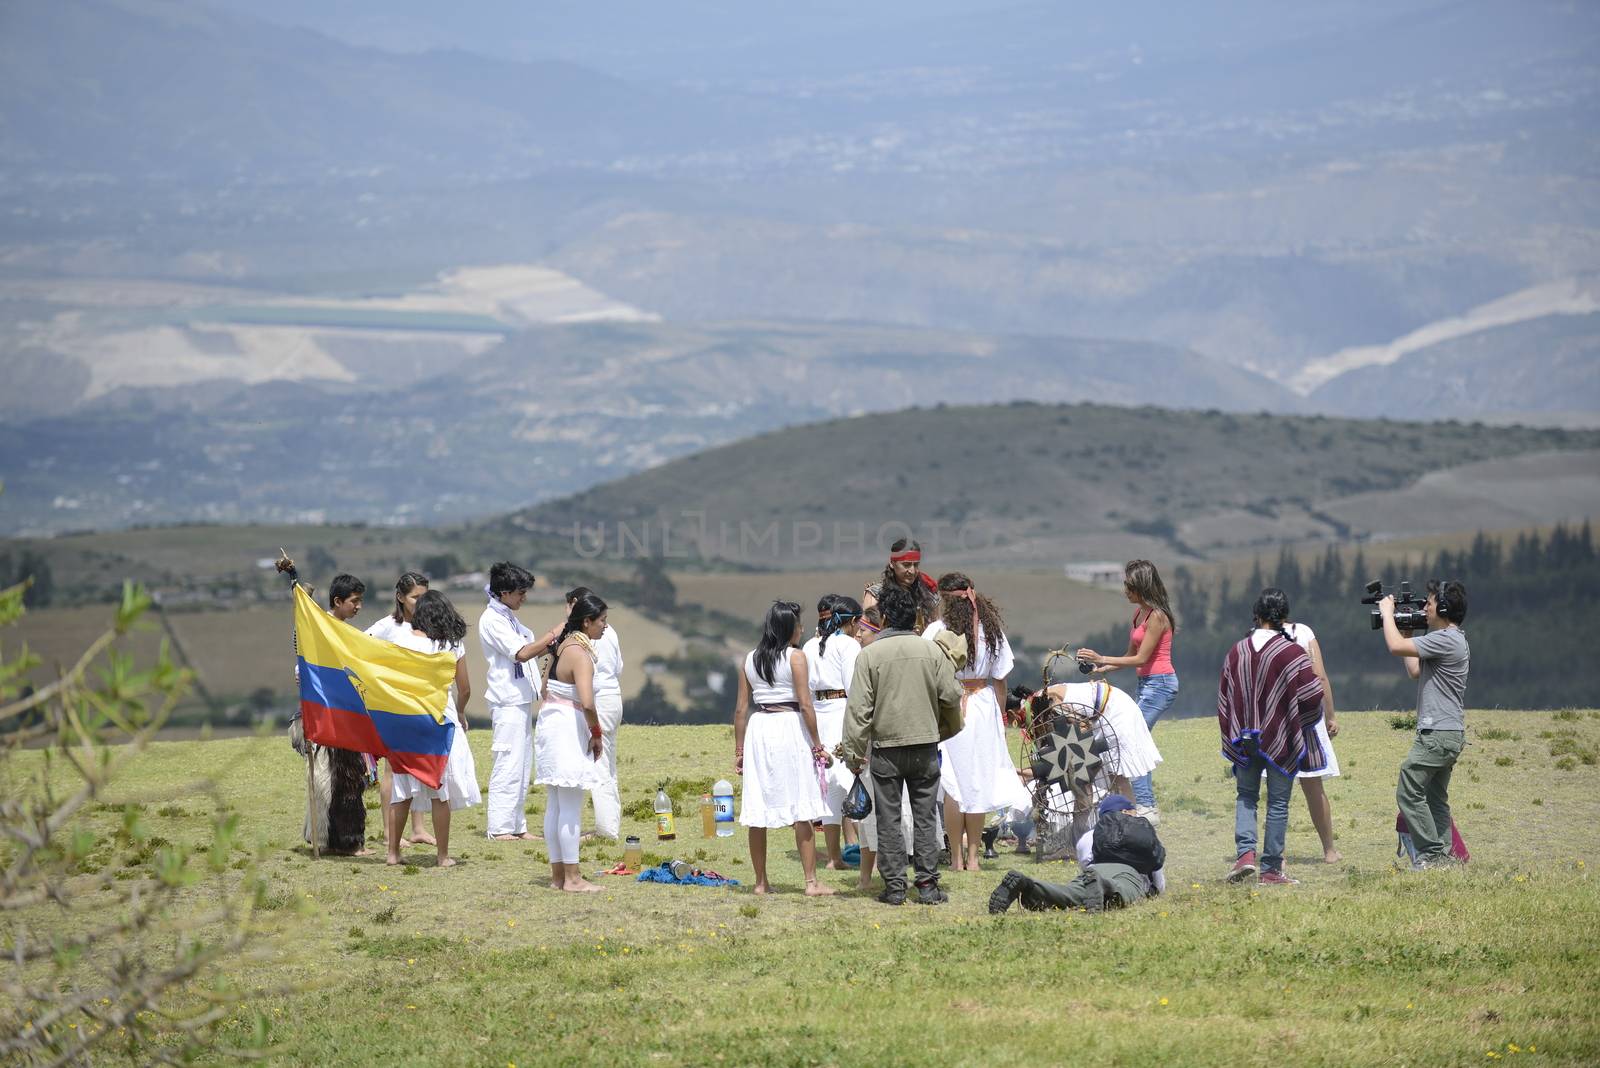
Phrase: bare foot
{"type": "Point", "coordinates": [423, 838]}
{"type": "Point", "coordinates": [865, 888]}
{"type": "Point", "coordinates": [526, 836]}
{"type": "Point", "coordinates": [762, 888]}
{"type": "Point", "coordinates": [835, 865]}
{"type": "Point", "coordinates": [1332, 856]}
{"type": "Point", "coordinates": [581, 886]}
{"type": "Point", "coordinates": [363, 852]}
{"type": "Point", "coordinates": [556, 886]}
{"type": "Point", "coordinates": [505, 837]}
{"type": "Point", "coordinates": [819, 890]}
{"type": "Point", "coordinates": [447, 862]}
{"type": "Point", "coordinates": [393, 859]}
{"type": "Point", "coordinates": [404, 841]}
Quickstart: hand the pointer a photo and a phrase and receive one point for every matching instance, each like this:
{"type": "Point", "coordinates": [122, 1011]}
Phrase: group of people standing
{"type": "Point", "coordinates": [554, 727]}
{"type": "Point", "coordinates": [905, 692]}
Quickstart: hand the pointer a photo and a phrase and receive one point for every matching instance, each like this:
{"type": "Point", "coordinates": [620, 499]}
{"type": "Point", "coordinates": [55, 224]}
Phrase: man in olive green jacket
{"type": "Point", "coordinates": [904, 700]}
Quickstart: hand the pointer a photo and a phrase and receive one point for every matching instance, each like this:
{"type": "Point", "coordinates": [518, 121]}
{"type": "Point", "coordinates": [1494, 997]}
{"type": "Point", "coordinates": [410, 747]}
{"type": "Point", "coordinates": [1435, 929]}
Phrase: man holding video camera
{"type": "Point", "coordinates": [1438, 661]}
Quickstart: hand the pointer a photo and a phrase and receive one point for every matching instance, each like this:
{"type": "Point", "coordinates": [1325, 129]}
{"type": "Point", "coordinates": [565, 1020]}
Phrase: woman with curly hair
{"type": "Point", "coordinates": [977, 775]}
{"type": "Point", "coordinates": [436, 626]}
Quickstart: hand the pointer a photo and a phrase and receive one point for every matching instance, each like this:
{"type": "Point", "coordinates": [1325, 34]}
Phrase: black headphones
{"type": "Point", "coordinates": [1441, 603]}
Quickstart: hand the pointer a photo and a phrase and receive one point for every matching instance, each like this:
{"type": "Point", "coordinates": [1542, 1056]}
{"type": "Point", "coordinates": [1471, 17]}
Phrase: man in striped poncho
{"type": "Point", "coordinates": [1268, 704]}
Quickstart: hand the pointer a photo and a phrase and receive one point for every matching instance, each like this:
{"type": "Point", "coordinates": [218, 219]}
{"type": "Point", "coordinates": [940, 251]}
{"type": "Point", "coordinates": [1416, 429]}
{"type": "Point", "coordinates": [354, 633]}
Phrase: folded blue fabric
{"type": "Point", "coordinates": [851, 855]}
{"type": "Point", "coordinates": [662, 873]}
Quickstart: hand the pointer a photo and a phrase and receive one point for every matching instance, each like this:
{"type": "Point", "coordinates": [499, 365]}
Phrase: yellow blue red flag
{"type": "Point", "coordinates": [362, 693]}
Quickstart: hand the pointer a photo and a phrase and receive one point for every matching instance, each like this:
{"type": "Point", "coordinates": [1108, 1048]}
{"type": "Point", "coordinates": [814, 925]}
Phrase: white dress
{"type": "Point", "coordinates": [977, 772]}
{"type": "Point", "coordinates": [832, 669]}
{"type": "Point", "coordinates": [561, 742]}
{"type": "Point", "coordinates": [780, 778]}
{"type": "Point", "coordinates": [1136, 750]}
{"type": "Point", "coordinates": [1303, 636]}
{"type": "Point", "coordinates": [459, 786]}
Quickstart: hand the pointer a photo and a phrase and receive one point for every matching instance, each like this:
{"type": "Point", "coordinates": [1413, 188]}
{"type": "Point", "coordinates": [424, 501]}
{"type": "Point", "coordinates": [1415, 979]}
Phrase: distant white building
{"type": "Point", "coordinates": [1096, 573]}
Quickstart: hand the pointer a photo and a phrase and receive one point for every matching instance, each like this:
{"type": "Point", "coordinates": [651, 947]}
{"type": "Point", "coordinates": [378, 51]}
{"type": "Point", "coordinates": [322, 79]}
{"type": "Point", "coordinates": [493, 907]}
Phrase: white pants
{"type": "Point", "coordinates": [513, 768]}
{"type": "Point", "coordinates": [563, 814]}
{"type": "Point", "coordinates": [607, 798]}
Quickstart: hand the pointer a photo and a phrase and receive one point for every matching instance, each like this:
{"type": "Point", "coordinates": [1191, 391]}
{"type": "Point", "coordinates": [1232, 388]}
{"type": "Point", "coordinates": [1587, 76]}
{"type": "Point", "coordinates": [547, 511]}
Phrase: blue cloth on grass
{"type": "Point", "coordinates": [662, 873]}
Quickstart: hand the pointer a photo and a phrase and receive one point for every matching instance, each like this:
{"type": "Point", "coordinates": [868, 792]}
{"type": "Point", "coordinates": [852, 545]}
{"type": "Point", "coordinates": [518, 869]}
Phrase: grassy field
{"type": "Point", "coordinates": [1358, 965]}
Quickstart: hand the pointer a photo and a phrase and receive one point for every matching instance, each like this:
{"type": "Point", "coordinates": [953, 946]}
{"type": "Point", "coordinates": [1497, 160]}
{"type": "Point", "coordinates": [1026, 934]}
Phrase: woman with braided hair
{"type": "Point", "coordinates": [977, 775]}
{"type": "Point", "coordinates": [904, 569]}
{"type": "Point", "coordinates": [567, 743]}
{"type": "Point", "coordinates": [830, 662]}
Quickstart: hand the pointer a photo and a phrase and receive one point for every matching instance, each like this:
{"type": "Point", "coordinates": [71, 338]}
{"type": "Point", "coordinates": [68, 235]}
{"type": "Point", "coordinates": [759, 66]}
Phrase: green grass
{"type": "Point", "coordinates": [1358, 965]}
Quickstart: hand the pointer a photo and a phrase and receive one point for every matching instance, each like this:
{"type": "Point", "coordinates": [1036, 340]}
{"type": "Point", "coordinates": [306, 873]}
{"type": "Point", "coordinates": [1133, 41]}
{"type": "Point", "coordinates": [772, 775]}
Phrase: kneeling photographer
{"type": "Point", "coordinates": [1438, 661]}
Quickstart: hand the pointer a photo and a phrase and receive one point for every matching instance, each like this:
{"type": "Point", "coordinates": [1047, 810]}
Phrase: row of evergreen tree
{"type": "Point", "coordinates": [1530, 604]}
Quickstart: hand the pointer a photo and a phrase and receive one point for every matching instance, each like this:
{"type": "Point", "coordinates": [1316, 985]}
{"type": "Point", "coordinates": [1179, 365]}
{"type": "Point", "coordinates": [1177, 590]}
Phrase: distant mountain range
{"type": "Point", "coordinates": [547, 411]}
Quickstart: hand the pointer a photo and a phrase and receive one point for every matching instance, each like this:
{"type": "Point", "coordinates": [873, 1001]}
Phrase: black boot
{"type": "Point", "coordinates": [1010, 888]}
{"type": "Point", "coordinates": [989, 836]}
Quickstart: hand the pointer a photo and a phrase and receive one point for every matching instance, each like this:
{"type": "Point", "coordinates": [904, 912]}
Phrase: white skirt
{"type": "Point", "coordinates": [977, 772]}
{"type": "Point", "coordinates": [458, 786]}
{"type": "Point", "coordinates": [830, 732]}
{"type": "Point", "coordinates": [1332, 770]}
{"type": "Point", "coordinates": [1136, 751]}
{"type": "Point", "coordinates": [780, 780]}
{"type": "Point", "coordinates": [561, 748]}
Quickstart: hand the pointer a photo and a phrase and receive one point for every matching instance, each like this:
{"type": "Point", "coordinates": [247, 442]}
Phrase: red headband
{"type": "Point", "coordinates": [910, 555]}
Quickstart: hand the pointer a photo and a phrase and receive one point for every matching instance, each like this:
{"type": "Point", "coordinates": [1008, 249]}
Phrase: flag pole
{"type": "Point", "coordinates": [285, 567]}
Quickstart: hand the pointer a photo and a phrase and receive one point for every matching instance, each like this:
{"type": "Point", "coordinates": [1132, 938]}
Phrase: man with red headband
{"type": "Point", "coordinates": [905, 570]}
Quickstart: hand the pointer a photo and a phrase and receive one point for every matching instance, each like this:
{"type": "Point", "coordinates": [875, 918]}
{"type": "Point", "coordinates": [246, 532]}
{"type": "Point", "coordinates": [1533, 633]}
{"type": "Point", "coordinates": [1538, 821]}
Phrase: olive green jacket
{"type": "Point", "coordinates": [904, 692]}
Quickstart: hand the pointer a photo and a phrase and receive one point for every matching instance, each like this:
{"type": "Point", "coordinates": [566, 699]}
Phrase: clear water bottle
{"type": "Point", "coordinates": [665, 830]}
{"type": "Point", "coordinates": [722, 801]}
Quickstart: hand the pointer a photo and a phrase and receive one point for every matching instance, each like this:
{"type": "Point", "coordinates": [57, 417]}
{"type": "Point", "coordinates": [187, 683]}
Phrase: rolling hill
{"type": "Point", "coordinates": [1027, 483]}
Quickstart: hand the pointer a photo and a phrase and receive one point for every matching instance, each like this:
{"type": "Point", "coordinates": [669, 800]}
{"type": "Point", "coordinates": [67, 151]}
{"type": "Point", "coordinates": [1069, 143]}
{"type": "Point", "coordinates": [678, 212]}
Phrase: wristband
{"type": "Point", "coordinates": [594, 732]}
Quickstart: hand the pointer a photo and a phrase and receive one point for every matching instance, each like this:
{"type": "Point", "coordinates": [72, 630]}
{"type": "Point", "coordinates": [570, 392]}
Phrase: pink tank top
{"type": "Point", "coordinates": [1160, 662]}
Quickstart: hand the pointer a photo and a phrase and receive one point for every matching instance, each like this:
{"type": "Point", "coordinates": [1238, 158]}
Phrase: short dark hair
{"type": "Point", "coordinates": [343, 587]}
{"type": "Point", "coordinates": [1454, 600]}
{"type": "Point", "coordinates": [899, 608]}
{"type": "Point", "coordinates": [506, 577]}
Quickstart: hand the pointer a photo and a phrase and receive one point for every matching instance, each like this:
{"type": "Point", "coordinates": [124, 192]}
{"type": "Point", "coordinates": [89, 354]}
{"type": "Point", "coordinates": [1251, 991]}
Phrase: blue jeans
{"type": "Point", "coordinates": [1156, 694]}
{"type": "Point", "coordinates": [1279, 787]}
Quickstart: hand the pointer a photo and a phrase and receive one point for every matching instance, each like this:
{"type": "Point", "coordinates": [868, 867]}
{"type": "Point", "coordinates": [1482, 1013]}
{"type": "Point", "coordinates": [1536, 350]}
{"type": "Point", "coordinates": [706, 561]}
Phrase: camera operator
{"type": "Point", "coordinates": [1438, 660]}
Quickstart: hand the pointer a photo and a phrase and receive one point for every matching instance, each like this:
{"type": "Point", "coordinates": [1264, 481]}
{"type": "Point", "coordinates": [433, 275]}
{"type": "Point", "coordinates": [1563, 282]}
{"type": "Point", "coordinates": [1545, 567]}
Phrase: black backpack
{"type": "Point", "coordinates": [1123, 838]}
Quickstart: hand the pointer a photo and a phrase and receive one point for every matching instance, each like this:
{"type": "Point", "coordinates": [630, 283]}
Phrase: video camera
{"type": "Point", "coordinates": [1410, 612]}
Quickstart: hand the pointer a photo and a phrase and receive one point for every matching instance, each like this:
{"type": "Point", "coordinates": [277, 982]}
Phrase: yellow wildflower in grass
{"type": "Point", "coordinates": [1163, 1001]}
{"type": "Point", "coordinates": [1512, 1047]}
{"type": "Point", "coordinates": [411, 961]}
{"type": "Point", "coordinates": [511, 923]}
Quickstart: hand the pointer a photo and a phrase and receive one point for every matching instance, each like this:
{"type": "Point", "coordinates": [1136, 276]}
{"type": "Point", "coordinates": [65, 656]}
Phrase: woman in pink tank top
{"type": "Point", "coordinates": [1150, 654]}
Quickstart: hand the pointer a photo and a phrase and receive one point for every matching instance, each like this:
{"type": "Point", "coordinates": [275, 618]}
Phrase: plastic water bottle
{"type": "Point", "coordinates": [665, 830]}
{"type": "Point", "coordinates": [708, 817]}
{"type": "Point", "coordinates": [722, 801]}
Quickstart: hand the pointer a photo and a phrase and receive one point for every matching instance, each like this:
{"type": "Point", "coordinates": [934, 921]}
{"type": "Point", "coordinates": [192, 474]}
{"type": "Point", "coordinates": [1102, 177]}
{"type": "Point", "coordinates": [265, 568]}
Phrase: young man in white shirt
{"type": "Point", "coordinates": [608, 703]}
{"type": "Point", "coordinates": [512, 686]}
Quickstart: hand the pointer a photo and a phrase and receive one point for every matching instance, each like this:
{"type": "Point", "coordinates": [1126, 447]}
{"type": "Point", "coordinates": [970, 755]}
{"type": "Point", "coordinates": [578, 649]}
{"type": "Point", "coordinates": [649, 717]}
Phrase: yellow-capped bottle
{"type": "Point", "coordinates": [665, 831]}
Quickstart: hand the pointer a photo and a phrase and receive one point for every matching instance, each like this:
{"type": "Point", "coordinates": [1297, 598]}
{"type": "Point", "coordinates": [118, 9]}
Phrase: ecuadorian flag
{"type": "Point", "coordinates": [362, 693]}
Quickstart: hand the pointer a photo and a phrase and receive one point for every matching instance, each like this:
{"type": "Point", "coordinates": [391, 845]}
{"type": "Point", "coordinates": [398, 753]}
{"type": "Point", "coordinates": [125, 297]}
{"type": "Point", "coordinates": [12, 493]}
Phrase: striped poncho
{"type": "Point", "coordinates": [1272, 695]}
